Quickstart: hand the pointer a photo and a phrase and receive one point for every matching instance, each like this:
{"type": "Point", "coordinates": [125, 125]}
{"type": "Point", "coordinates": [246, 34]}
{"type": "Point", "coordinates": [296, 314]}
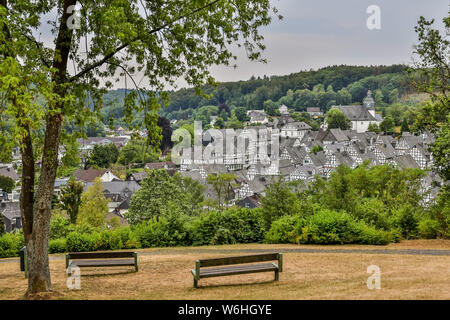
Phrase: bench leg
{"type": "Point", "coordinates": [195, 282]}
{"type": "Point", "coordinates": [277, 275]}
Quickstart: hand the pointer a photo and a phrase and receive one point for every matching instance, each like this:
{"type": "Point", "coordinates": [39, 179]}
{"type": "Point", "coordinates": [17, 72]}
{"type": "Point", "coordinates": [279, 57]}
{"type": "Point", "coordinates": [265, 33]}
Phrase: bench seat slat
{"type": "Point", "coordinates": [215, 272]}
{"type": "Point", "coordinates": [238, 259]}
{"type": "Point", "coordinates": [100, 263]}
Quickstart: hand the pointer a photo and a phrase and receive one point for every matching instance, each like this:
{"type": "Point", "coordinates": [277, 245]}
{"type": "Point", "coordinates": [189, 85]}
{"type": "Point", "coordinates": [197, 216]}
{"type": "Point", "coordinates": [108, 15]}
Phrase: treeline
{"type": "Point", "coordinates": [321, 88]}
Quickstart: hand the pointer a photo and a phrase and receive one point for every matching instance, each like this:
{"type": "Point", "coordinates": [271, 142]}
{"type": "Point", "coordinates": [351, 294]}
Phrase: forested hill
{"type": "Point", "coordinates": [318, 88]}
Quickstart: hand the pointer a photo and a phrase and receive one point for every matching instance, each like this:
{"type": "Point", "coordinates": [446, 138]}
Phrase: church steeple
{"type": "Point", "coordinates": [369, 103]}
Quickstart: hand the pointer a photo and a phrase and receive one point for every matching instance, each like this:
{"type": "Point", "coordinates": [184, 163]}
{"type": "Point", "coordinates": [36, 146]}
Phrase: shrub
{"type": "Point", "coordinates": [162, 232]}
{"type": "Point", "coordinates": [10, 244]}
{"type": "Point", "coordinates": [429, 228]}
{"type": "Point", "coordinates": [107, 240]}
{"type": "Point", "coordinates": [57, 246]}
{"type": "Point", "coordinates": [237, 225]}
{"type": "Point", "coordinates": [404, 219]}
{"type": "Point", "coordinates": [373, 212]}
{"type": "Point", "coordinates": [60, 227]}
{"type": "Point", "coordinates": [326, 227]}
{"type": "Point", "coordinates": [329, 227]}
{"type": "Point", "coordinates": [128, 238]}
{"type": "Point", "coordinates": [80, 242]}
{"type": "Point", "coordinates": [283, 230]}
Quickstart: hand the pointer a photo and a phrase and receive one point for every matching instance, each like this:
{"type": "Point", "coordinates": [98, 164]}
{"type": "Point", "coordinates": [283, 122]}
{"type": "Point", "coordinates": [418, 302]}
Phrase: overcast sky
{"type": "Point", "coordinates": [318, 33]}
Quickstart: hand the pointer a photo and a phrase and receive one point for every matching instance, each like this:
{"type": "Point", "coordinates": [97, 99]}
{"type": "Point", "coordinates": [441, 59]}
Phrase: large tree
{"type": "Point", "coordinates": [336, 119]}
{"type": "Point", "coordinates": [45, 84]}
{"type": "Point", "coordinates": [432, 75]}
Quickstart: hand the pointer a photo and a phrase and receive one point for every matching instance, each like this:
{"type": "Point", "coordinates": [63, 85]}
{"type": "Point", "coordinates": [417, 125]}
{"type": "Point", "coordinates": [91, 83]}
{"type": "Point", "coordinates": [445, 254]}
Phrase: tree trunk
{"type": "Point", "coordinates": [37, 242]}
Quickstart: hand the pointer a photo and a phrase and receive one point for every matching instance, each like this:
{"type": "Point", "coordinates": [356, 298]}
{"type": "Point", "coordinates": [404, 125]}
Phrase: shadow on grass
{"type": "Point", "coordinates": [234, 285]}
{"type": "Point", "coordinates": [103, 274]}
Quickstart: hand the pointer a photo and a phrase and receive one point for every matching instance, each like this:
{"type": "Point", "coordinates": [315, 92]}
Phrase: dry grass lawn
{"type": "Point", "coordinates": [165, 274]}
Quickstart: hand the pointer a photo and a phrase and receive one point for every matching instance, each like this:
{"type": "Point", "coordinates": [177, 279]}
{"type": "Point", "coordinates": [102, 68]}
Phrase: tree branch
{"type": "Point", "coordinates": [123, 46]}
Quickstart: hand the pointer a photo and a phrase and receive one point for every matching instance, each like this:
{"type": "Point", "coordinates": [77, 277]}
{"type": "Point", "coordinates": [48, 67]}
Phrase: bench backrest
{"type": "Point", "coordinates": [238, 260]}
{"type": "Point", "coordinates": [99, 255]}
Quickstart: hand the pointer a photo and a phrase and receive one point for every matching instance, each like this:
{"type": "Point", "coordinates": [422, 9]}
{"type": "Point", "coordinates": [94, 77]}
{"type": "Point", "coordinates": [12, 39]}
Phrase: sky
{"type": "Point", "coordinates": [319, 33]}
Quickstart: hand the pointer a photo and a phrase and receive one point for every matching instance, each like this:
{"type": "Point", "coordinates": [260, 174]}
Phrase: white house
{"type": "Point", "coordinates": [361, 116]}
{"type": "Point", "coordinates": [294, 130]}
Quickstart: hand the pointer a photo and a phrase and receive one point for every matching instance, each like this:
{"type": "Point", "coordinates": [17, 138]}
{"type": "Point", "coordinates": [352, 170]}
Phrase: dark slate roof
{"type": "Point", "coordinates": [88, 175]}
{"type": "Point", "coordinates": [356, 113]}
{"type": "Point", "coordinates": [387, 149]}
{"type": "Point", "coordinates": [318, 158]}
{"type": "Point", "coordinates": [406, 162]}
{"type": "Point", "coordinates": [10, 210]}
{"type": "Point", "coordinates": [10, 172]}
{"type": "Point", "coordinates": [249, 202]}
{"type": "Point", "coordinates": [160, 165]}
{"type": "Point", "coordinates": [344, 158]}
{"type": "Point", "coordinates": [297, 126]}
{"type": "Point", "coordinates": [117, 187]}
{"type": "Point", "coordinates": [139, 176]}
{"type": "Point", "coordinates": [339, 134]}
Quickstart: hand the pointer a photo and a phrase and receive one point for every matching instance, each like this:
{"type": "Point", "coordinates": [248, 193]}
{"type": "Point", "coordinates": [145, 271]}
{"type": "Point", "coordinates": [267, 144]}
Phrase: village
{"type": "Point", "coordinates": [300, 154]}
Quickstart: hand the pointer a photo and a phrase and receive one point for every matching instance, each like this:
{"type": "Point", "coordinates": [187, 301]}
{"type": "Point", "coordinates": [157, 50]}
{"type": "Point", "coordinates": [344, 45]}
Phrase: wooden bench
{"type": "Point", "coordinates": [234, 266]}
{"type": "Point", "coordinates": [101, 259]}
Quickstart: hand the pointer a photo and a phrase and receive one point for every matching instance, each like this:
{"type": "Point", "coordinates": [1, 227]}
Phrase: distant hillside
{"type": "Point", "coordinates": [320, 88]}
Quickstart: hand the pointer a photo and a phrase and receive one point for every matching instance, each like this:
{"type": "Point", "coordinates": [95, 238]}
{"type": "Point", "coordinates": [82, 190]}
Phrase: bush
{"type": "Point", "coordinates": [373, 212]}
{"type": "Point", "coordinates": [57, 246]}
{"type": "Point", "coordinates": [128, 238]}
{"type": "Point", "coordinates": [10, 244]}
{"type": "Point", "coordinates": [326, 227]}
{"type": "Point", "coordinates": [107, 240]}
{"type": "Point", "coordinates": [60, 227]}
{"type": "Point", "coordinates": [237, 225]}
{"type": "Point", "coordinates": [283, 230]}
{"type": "Point", "coordinates": [429, 228]}
{"type": "Point", "coordinates": [405, 220]}
{"type": "Point", "coordinates": [329, 227]}
{"type": "Point", "coordinates": [80, 242]}
{"type": "Point", "coordinates": [162, 232]}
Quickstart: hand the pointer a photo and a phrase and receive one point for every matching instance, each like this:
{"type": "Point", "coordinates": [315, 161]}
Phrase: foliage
{"type": "Point", "coordinates": [7, 184]}
{"type": "Point", "coordinates": [431, 75]}
{"type": "Point", "coordinates": [337, 119]}
{"type": "Point", "coordinates": [428, 228]}
{"type": "Point", "coordinates": [325, 227]}
{"type": "Point", "coordinates": [162, 232]}
{"type": "Point", "coordinates": [406, 220]}
{"type": "Point", "coordinates": [57, 245]}
{"type": "Point", "coordinates": [136, 151]}
{"type": "Point", "coordinates": [160, 192]}
{"type": "Point", "coordinates": [94, 206]}
{"type": "Point", "coordinates": [316, 148]}
{"type": "Point", "coordinates": [223, 186]}
{"type": "Point", "coordinates": [373, 127]}
{"type": "Point", "coordinates": [229, 226]}
{"type": "Point", "coordinates": [80, 242]}
{"type": "Point", "coordinates": [387, 125]}
{"type": "Point", "coordinates": [103, 156]}
{"type": "Point", "coordinates": [10, 244]}
{"type": "Point", "coordinates": [278, 201]}
{"type": "Point", "coordinates": [70, 198]}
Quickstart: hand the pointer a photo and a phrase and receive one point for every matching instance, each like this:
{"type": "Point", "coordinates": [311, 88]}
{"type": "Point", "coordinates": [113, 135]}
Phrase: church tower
{"type": "Point", "coordinates": [369, 103]}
